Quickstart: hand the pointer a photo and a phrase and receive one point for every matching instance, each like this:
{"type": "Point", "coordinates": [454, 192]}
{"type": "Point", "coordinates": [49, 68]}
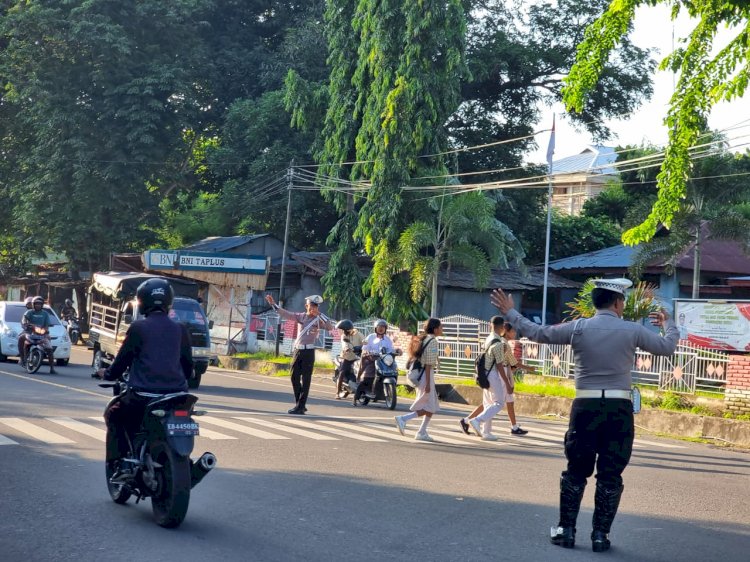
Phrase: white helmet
{"type": "Point", "coordinates": [314, 299]}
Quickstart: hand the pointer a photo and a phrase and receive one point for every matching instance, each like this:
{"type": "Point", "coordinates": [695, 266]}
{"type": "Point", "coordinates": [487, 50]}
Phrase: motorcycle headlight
{"type": "Point", "coordinates": [388, 360]}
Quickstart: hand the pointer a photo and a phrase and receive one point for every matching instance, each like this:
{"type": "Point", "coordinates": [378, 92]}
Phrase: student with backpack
{"type": "Point", "coordinates": [498, 385]}
{"type": "Point", "coordinates": [424, 348]}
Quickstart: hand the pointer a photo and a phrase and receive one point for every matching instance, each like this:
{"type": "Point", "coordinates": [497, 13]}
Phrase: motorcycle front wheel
{"type": "Point", "coordinates": [390, 396]}
{"type": "Point", "coordinates": [34, 360]}
{"type": "Point", "coordinates": [172, 497]}
{"type": "Point", "coordinates": [74, 335]}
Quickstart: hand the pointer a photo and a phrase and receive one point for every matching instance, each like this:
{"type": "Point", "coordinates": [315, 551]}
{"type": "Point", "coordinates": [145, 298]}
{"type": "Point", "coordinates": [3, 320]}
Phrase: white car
{"type": "Point", "coordinates": [11, 313]}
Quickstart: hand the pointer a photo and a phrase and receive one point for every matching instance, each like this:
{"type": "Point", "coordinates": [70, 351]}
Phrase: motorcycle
{"type": "Point", "coordinates": [384, 383]}
{"type": "Point", "coordinates": [35, 351]}
{"type": "Point", "coordinates": [73, 329]}
{"type": "Point", "coordinates": [350, 384]}
{"type": "Point", "coordinates": [158, 464]}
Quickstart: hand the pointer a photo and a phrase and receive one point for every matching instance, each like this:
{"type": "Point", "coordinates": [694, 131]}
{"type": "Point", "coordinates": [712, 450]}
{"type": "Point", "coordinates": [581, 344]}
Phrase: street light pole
{"type": "Point", "coordinates": [550, 153]}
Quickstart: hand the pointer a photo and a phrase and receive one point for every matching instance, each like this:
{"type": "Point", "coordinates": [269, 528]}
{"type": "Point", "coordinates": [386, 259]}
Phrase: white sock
{"type": "Point", "coordinates": [425, 423]}
{"type": "Point", "coordinates": [514, 426]}
{"type": "Point", "coordinates": [409, 416]}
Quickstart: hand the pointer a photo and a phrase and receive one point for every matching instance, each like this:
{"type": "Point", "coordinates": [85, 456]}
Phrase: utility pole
{"type": "Point", "coordinates": [550, 153]}
{"type": "Point", "coordinates": [289, 177]}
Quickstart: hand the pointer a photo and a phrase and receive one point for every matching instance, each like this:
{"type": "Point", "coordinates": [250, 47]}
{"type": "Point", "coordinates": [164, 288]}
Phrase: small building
{"type": "Point", "coordinates": [723, 265]}
{"type": "Point", "coordinates": [578, 178]}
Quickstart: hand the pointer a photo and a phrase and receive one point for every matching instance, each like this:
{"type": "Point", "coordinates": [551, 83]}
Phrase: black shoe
{"type": "Point", "coordinates": [563, 536]}
{"type": "Point", "coordinates": [518, 431]}
{"type": "Point", "coordinates": [464, 426]}
{"type": "Point", "coordinates": [296, 412]}
{"type": "Point", "coordinates": [599, 541]}
{"type": "Point", "coordinates": [52, 372]}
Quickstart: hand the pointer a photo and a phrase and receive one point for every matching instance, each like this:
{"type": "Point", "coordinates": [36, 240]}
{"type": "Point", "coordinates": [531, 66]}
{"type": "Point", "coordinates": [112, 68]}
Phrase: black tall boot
{"type": "Point", "coordinates": [606, 502]}
{"type": "Point", "coordinates": [571, 493]}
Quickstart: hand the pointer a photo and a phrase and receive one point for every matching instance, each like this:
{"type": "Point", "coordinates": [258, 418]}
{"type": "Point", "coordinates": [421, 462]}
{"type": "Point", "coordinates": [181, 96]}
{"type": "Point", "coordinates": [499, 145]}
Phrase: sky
{"type": "Point", "coordinates": [652, 28]}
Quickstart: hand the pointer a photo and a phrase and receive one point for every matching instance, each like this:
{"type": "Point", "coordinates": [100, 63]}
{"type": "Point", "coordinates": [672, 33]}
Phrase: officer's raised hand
{"type": "Point", "coordinates": [659, 318]}
{"type": "Point", "coordinates": [269, 300]}
{"type": "Point", "coordinates": [502, 301]}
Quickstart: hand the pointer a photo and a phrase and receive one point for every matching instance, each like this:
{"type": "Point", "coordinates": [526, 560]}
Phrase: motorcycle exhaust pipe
{"type": "Point", "coordinates": [201, 467]}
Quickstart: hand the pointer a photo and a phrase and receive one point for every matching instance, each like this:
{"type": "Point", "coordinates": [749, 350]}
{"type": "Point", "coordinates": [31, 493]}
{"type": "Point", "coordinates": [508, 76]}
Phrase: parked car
{"type": "Point", "coordinates": [11, 313]}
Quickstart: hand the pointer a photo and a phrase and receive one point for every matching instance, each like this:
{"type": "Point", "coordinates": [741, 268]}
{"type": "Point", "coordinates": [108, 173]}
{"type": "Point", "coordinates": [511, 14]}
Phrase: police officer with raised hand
{"type": "Point", "coordinates": [600, 432]}
{"type": "Point", "coordinates": [303, 360]}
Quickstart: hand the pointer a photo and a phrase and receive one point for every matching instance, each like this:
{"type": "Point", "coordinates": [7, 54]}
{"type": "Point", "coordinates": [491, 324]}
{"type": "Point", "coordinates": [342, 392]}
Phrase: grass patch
{"type": "Point", "coordinates": [405, 391]}
{"type": "Point", "coordinates": [280, 373]}
{"type": "Point", "coordinates": [265, 356]}
{"type": "Point", "coordinates": [738, 417]}
{"type": "Point", "coordinates": [546, 389]}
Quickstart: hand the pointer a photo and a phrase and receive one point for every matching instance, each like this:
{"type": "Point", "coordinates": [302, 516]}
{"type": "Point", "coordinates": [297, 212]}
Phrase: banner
{"type": "Point", "coordinates": [722, 325]}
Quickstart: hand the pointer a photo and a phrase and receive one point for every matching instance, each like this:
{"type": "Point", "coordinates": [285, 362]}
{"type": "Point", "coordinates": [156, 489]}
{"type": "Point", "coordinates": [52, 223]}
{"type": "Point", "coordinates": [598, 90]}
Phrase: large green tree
{"type": "Point", "coordinates": [705, 78]}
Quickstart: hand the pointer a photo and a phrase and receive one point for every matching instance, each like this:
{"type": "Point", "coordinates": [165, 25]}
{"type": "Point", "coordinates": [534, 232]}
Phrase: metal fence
{"type": "Point", "coordinates": [690, 369]}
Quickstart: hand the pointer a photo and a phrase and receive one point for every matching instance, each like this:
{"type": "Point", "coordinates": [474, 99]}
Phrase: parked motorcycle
{"type": "Point", "coordinates": [350, 384]}
{"type": "Point", "coordinates": [72, 327]}
{"type": "Point", "coordinates": [384, 384]}
{"type": "Point", "coordinates": [35, 351]}
{"type": "Point", "coordinates": [158, 464]}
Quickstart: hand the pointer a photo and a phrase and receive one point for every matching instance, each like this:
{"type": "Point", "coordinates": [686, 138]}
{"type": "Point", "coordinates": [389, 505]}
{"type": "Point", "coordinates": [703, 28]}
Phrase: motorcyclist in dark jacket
{"type": "Point", "coordinates": [158, 353]}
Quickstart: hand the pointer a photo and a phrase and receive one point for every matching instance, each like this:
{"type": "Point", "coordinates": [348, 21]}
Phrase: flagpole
{"type": "Point", "coordinates": [550, 153]}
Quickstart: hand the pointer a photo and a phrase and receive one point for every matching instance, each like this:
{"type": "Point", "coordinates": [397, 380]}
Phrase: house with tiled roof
{"type": "Point", "coordinates": [583, 176]}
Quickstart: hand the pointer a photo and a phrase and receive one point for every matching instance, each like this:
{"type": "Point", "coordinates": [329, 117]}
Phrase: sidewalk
{"type": "Point", "coordinates": [712, 429]}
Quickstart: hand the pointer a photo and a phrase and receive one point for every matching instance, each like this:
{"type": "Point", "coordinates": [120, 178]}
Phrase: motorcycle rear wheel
{"type": "Point", "coordinates": [170, 502]}
{"type": "Point", "coordinates": [34, 360]}
{"type": "Point", "coordinates": [390, 396]}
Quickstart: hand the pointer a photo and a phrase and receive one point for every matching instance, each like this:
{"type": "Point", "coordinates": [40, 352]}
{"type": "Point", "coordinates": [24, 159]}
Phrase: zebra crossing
{"type": "Point", "coordinates": [219, 426]}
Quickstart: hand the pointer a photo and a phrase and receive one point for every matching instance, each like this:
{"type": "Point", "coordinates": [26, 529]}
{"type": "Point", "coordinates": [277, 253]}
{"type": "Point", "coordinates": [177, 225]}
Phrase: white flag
{"type": "Point", "coordinates": [551, 145]}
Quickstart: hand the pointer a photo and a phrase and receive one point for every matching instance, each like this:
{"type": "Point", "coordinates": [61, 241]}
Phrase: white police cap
{"type": "Point", "coordinates": [615, 285]}
{"type": "Point", "coordinates": [314, 299]}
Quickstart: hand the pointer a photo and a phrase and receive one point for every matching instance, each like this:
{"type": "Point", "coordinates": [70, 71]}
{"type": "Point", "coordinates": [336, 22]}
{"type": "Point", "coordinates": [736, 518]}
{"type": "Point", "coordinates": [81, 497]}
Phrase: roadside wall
{"type": "Point", "coordinates": [737, 395]}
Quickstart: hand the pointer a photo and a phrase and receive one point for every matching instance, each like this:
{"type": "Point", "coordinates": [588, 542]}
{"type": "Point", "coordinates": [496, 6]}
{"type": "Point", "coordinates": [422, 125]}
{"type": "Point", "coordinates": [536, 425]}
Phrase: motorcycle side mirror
{"type": "Point", "coordinates": [210, 324]}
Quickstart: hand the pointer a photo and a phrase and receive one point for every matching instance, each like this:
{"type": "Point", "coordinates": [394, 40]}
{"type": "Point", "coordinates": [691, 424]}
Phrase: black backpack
{"type": "Point", "coordinates": [480, 372]}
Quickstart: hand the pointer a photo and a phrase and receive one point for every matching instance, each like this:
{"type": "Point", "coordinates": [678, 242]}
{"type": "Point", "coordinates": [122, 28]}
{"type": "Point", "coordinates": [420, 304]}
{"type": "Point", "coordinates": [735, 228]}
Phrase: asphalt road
{"type": "Point", "coordinates": [342, 484]}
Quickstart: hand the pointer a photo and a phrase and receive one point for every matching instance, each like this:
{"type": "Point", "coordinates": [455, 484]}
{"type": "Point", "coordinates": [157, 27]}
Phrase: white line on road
{"type": "Point", "coordinates": [5, 441]}
{"type": "Point", "coordinates": [215, 435]}
{"type": "Point", "coordinates": [441, 438]}
{"type": "Point", "coordinates": [296, 431]}
{"type": "Point", "coordinates": [34, 431]}
{"type": "Point", "coordinates": [241, 428]}
{"type": "Point", "coordinates": [640, 442]}
{"type": "Point", "coordinates": [343, 433]}
{"type": "Point", "coordinates": [394, 435]}
{"type": "Point", "coordinates": [80, 427]}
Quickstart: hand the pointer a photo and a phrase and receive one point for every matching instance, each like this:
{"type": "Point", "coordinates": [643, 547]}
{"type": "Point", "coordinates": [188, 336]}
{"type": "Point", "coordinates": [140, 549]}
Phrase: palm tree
{"type": "Point", "coordinates": [639, 302]}
{"type": "Point", "coordinates": [463, 232]}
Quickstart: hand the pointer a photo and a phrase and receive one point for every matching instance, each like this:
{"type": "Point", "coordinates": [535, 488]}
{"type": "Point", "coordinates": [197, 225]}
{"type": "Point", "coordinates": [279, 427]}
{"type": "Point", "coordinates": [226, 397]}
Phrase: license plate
{"type": "Point", "coordinates": [182, 428]}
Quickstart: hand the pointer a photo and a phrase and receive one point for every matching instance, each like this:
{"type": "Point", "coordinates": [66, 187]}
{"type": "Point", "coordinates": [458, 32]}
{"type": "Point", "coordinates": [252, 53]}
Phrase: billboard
{"type": "Point", "coordinates": [723, 325]}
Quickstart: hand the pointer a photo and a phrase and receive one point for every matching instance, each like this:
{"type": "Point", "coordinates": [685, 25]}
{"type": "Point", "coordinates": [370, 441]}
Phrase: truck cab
{"type": "Point", "coordinates": [113, 308]}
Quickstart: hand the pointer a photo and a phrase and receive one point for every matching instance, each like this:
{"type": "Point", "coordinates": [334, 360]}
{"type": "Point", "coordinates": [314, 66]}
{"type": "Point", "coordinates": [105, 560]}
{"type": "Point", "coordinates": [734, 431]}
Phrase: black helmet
{"type": "Point", "coordinates": [155, 294]}
{"type": "Point", "coordinates": [345, 325]}
{"type": "Point", "coordinates": [68, 302]}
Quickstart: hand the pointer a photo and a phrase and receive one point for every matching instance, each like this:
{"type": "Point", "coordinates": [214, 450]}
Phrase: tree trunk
{"type": "Point", "coordinates": [434, 299]}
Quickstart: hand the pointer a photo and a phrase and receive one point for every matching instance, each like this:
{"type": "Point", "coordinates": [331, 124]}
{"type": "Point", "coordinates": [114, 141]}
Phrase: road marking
{"type": "Point", "coordinates": [5, 441]}
{"type": "Point", "coordinates": [343, 433]}
{"type": "Point", "coordinates": [394, 435]}
{"type": "Point", "coordinates": [241, 428]}
{"type": "Point", "coordinates": [34, 431]}
{"type": "Point", "coordinates": [215, 435]}
{"type": "Point", "coordinates": [74, 389]}
{"type": "Point", "coordinates": [80, 427]}
{"type": "Point", "coordinates": [441, 439]}
{"type": "Point", "coordinates": [640, 442]}
{"type": "Point", "coordinates": [294, 430]}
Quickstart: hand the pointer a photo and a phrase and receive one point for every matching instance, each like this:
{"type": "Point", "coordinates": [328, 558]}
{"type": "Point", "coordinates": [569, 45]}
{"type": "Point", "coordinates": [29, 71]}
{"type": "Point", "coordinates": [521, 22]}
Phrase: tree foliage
{"type": "Point", "coordinates": [704, 79]}
{"type": "Point", "coordinates": [640, 301]}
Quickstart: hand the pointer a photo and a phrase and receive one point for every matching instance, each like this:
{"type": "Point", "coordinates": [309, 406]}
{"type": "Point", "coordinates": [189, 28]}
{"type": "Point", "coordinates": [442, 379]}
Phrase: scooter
{"type": "Point", "coordinates": [73, 329]}
{"type": "Point", "coordinates": [36, 351]}
{"type": "Point", "coordinates": [350, 384]}
{"type": "Point", "coordinates": [384, 383]}
{"type": "Point", "coordinates": [158, 464]}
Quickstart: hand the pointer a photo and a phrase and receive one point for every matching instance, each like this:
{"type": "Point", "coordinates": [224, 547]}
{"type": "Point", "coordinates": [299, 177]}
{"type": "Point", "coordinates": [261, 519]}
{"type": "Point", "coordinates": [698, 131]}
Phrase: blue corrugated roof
{"type": "Point", "coordinates": [593, 160]}
{"type": "Point", "coordinates": [614, 257]}
{"type": "Point", "coordinates": [222, 243]}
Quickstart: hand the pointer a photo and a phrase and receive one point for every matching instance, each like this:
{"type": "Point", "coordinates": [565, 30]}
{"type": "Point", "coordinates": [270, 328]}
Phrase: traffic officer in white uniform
{"type": "Point", "coordinates": [600, 432]}
{"type": "Point", "coordinates": [303, 360]}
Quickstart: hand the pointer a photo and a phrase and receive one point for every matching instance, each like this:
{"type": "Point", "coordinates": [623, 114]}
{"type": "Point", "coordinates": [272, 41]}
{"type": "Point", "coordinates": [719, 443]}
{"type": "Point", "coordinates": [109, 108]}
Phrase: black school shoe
{"type": "Point", "coordinates": [599, 541]}
{"type": "Point", "coordinates": [464, 426]}
{"type": "Point", "coordinates": [563, 536]}
{"type": "Point", "coordinates": [518, 431]}
{"type": "Point", "coordinates": [296, 412]}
